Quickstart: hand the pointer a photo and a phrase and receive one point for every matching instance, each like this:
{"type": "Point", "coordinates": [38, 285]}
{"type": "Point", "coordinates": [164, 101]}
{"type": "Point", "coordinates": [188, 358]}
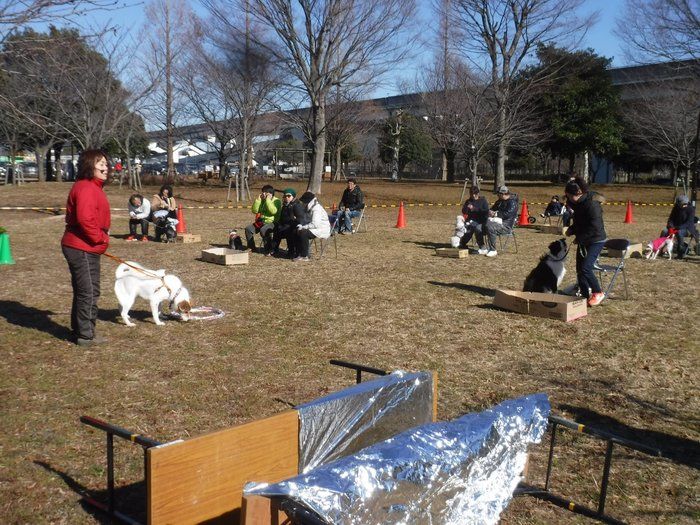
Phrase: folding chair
{"type": "Point", "coordinates": [559, 217]}
{"type": "Point", "coordinates": [621, 246]}
{"type": "Point", "coordinates": [363, 216]}
{"type": "Point", "coordinates": [325, 242]}
{"type": "Point", "coordinates": [504, 244]}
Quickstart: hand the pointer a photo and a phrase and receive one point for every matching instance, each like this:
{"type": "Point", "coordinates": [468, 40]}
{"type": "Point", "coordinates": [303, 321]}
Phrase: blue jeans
{"type": "Point", "coordinates": [586, 256]}
{"type": "Point", "coordinates": [345, 217]}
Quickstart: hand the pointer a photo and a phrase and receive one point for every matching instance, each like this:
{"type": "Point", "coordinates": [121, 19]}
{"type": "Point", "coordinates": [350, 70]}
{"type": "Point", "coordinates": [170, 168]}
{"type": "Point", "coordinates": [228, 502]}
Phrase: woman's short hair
{"type": "Point", "coordinates": [166, 187]}
{"type": "Point", "coordinates": [136, 196]}
{"type": "Point", "coordinates": [88, 160]}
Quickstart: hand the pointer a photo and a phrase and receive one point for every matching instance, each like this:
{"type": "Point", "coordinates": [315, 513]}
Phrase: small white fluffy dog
{"type": "Point", "coordinates": [660, 246]}
{"type": "Point", "coordinates": [460, 230]}
{"type": "Point", "coordinates": [133, 280]}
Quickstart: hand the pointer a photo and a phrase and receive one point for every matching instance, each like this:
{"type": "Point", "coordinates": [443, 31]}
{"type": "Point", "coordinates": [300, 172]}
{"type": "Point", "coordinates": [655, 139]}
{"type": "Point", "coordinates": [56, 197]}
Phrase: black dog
{"type": "Point", "coordinates": [234, 241]}
{"type": "Point", "coordinates": [548, 274]}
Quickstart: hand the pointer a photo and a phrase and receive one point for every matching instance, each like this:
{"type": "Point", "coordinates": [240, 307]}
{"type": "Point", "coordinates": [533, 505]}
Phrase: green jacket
{"type": "Point", "coordinates": [269, 209]}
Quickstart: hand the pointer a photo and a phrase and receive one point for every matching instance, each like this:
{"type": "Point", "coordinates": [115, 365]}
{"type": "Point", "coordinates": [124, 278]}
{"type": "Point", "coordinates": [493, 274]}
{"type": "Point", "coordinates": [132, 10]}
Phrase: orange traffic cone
{"type": "Point", "coordinates": [524, 215]}
{"type": "Point", "coordinates": [401, 221]}
{"type": "Point", "coordinates": [628, 214]}
{"type": "Point", "coordinates": [181, 226]}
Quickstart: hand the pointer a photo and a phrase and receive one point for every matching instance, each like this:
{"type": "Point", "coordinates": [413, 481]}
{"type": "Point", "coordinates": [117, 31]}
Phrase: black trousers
{"type": "Point", "coordinates": [133, 223]}
{"type": "Point", "coordinates": [85, 278]}
{"type": "Point", "coordinates": [303, 239]}
{"type": "Point", "coordinates": [285, 232]}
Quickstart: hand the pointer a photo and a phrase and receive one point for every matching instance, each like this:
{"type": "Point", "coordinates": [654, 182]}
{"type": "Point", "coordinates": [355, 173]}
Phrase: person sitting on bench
{"type": "Point", "coordinates": [350, 207]}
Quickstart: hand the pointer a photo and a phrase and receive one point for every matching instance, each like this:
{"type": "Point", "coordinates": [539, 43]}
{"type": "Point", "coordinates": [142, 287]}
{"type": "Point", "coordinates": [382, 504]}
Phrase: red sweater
{"type": "Point", "coordinates": [87, 217]}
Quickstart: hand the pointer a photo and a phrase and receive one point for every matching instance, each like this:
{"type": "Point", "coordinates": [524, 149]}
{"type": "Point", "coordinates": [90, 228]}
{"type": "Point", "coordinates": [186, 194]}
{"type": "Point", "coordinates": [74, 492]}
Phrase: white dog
{"type": "Point", "coordinates": [460, 230]}
{"type": "Point", "coordinates": [133, 280]}
{"type": "Point", "coordinates": [660, 246]}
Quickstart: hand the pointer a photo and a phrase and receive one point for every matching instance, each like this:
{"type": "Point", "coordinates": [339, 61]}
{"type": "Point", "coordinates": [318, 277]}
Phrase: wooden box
{"type": "Point", "coordinates": [225, 256]}
{"type": "Point", "coordinates": [635, 250]}
{"type": "Point", "coordinates": [456, 253]}
{"type": "Point", "coordinates": [188, 238]}
{"type": "Point", "coordinates": [550, 306]}
{"type": "Point", "coordinates": [551, 228]}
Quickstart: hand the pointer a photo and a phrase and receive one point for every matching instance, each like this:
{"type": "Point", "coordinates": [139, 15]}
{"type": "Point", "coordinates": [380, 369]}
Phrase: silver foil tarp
{"type": "Point", "coordinates": [452, 473]}
{"type": "Point", "coordinates": [344, 422]}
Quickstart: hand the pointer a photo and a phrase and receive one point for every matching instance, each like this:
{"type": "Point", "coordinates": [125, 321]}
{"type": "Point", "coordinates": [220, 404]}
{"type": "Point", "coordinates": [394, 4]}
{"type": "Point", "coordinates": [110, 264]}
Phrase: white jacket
{"type": "Point", "coordinates": [319, 225]}
{"type": "Point", "coordinates": [143, 211]}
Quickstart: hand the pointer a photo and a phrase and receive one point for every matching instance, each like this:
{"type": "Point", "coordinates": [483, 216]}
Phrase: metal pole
{"type": "Point", "coordinates": [110, 471]}
{"type": "Point", "coordinates": [606, 478]}
{"type": "Point", "coordinates": [551, 456]}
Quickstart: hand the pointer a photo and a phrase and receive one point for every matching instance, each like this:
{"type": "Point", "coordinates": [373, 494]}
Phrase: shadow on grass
{"type": "Point", "coordinates": [129, 499]}
{"type": "Point", "coordinates": [486, 292]}
{"type": "Point", "coordinates": [430, 245]}
{"type": "Point", "coordinates": [113, 315]}
{"type": "Point", "coordinates": [35, 318]}
{"type": "Point", "coordinates": [679, 450]}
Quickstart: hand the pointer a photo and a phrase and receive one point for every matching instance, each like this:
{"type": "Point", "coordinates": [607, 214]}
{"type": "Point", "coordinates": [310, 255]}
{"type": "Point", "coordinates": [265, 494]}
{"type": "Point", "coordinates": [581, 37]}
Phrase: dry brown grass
{"type": "Point", "coordinates": [386, 301]}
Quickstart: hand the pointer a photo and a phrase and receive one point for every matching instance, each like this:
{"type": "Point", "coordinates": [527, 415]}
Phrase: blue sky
{"type": "Point", "coordinates": [601, 37]}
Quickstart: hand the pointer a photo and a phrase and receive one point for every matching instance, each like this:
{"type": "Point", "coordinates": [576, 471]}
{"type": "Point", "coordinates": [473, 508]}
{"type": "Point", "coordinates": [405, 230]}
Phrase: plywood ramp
{"type": "Point", "coordinates": [201, 480]}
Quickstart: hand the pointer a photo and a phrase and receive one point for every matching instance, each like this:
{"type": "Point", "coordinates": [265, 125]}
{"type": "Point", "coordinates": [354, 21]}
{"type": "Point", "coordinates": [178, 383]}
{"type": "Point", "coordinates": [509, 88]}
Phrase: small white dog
{"type": "Point", "coordinates": [133, 280]}
{"type": "Point", "coordinates": [460, 230]}
{"type": "Point", "coordinates": [660, 246]}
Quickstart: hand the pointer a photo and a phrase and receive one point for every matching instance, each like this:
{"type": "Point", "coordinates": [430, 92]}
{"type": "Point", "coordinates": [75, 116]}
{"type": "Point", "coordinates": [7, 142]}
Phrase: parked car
{"type": "Point", "coordinates": [29, 170]}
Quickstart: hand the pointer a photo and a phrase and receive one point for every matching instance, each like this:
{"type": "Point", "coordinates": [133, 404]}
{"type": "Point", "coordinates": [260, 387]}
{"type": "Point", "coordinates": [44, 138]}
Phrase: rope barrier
{"type": "Point", "coordinates": [412, 205]}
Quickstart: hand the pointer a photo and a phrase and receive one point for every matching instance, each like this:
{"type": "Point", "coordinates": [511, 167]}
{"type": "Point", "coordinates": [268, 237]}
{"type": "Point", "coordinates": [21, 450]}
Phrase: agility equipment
{"type": "Point", "coordinates": [5, 250]}
{"type": "Point", "coordinates": [200, 313]}
{"type": "Point", "coordinates": [181, 226]}
{"type": "Point", "coordinates": [401, 220]}
{"type": "Point", "coordinates": [628, 213]}
{"type": "Point", "coordinates": [524, 219]}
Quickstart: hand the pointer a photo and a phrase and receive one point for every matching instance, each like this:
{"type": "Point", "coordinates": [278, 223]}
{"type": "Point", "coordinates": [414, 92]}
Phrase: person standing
{"type": "Point", "coordinates": [589, 230]}
{"type": "Point", "coordinates": [86, 238]}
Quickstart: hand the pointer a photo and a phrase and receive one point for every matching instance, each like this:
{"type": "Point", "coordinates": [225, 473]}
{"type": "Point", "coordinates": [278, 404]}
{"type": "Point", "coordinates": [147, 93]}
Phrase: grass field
{"type": "Point", "coordinates": [385, 301]}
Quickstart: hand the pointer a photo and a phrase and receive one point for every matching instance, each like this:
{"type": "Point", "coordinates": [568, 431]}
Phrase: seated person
{"type": "Point", "coordinates": [475, 211]}
{"type": "Point", "coordinates": [317, 225]}
{"type": "Point", "coordinates": [266, 209]}
{"type": "Point", "coordinates": [351, 204]}
{"type": "Point", "coordinates": [682, 219]}
{"type": "Point", "coordinates": [139, 214]}
{"type": "Point", "coordinates": [292, 214]}
{"type": "Point", "coordinates": [501, 219]}
{"type": "Point", "coordinates": [164, 200]}
{"type": "Point", "coordinates": [553, 209]}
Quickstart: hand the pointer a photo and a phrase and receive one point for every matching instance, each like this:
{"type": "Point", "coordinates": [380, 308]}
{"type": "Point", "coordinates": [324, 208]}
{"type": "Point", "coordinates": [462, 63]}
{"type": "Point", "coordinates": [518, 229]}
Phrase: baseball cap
{"type": "Point", "coordinates": [503, 189]}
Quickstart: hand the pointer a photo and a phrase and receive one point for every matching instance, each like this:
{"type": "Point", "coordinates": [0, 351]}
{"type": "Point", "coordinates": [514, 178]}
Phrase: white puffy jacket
{"type": "Point", "coordinates": [319, 225]}
{"type": "Point", "coordinates": [143, 211]}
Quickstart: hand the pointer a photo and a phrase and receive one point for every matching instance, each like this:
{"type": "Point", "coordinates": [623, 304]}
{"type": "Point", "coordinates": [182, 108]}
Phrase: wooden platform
{"type": "Point", "coordinates": [455, 253]}
{"type": "Point", "coordinates": [186, 238]}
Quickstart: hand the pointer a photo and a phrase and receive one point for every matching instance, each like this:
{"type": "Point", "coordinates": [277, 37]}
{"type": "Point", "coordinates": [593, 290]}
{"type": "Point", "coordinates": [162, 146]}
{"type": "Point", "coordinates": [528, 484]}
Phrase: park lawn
{"type": "Point", "coordinates": [386, 301]}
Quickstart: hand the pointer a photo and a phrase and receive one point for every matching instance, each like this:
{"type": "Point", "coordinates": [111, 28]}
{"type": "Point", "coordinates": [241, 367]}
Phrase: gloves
{"type": "Point", "coordinates": [299, 227]}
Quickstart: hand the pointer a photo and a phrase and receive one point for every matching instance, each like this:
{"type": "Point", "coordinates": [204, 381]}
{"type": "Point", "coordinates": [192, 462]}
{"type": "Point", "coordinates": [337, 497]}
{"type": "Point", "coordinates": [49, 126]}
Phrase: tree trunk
{"type": "Point", "coordinates": [500, 178]}
{"type": "Point", "coordinates": [338, 164]}
{"type": "Point", "coordinates": [473, 165]}
{"type": "Point", "coordinates": [58, 167]}
{"type": "Point", "coordinates": [449, 157]}
{"type": "Point", "coordinates": [40, 154]}
{"type": "Point", "coordinates": [585, 166]}
{"type": "Point", "coordinates": [318, 137]}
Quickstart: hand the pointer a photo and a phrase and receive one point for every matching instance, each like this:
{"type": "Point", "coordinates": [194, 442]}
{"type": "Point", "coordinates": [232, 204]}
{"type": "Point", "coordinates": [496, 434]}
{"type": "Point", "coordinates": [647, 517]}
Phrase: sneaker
{"type": "Point", "coordinates": [542, 215]}
{"type": "Point", "coordinates": [144, 239]}
{"type": "Point", "coordinates": [491, 253]}
{"type": "Point", "coordinates": [131, 238]}
{"type": "Point", "coordinates": [483, 251]}
{"type": "Point", "coordinates": [85, 342]}
{"type": "Point", "coordinates": [596, 299]}
{"type": "Point", "coordinates": [301, 259]}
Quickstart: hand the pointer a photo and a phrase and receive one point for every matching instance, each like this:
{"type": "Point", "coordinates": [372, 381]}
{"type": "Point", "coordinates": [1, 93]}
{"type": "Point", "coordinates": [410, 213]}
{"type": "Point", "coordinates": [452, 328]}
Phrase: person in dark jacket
{"type": "Point", "coordinates": [351, 204]}
{"type": "Point", "coordinates": [589, 230]}
{"type": "Point", "coordinates": [553, 209]}
{"type": "Point", "coordinates": [476, 212]}
{"type": "Point", "coordinates": [682, 218]}
{"type": "Point", "coordinates": [500, 222]}
{"type": "Point", "coordinates": [85, 239]}
{"type": "Point", "coordinates": [292, 214]}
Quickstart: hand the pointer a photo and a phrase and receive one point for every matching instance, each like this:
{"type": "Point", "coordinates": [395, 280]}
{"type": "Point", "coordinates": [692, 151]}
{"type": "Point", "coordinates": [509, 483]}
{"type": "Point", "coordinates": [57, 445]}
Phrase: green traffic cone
{"type": "Point", "coordinates": [5, 251]}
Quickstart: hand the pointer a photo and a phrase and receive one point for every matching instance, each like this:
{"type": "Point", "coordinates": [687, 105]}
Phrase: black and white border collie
{"type": "Point", "coordinates": [546, 277]}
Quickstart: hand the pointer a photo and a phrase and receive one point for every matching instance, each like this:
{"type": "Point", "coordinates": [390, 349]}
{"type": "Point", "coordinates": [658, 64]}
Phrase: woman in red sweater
{"type": "Point", "coordinates": [85, 239]}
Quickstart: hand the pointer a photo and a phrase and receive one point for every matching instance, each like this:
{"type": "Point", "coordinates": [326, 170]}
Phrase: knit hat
{"type": "Point", "coordinates": [289, 191]}
{"type": "Point", "coordinates": [682, 200]}
{"type": "Point", "coordinates": [503, 189]}
{"type": "Point", "coordinates": [307, 197]}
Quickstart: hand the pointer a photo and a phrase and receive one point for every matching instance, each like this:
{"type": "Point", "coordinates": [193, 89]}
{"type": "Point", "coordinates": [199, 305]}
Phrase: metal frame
{"type": "Point", "coordinates": [111, 431]}
{"type": "Point", "coordinates": [504, 245]}
{"type": "Point", "coordinates": [621, 245]}
{"type": "Point", "coordinates": [544, 493]}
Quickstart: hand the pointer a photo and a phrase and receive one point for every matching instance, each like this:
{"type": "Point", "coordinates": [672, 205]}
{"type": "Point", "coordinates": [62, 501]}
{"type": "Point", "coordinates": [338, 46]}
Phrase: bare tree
{"type": "Point", "coordinates": [333, 42]}
{"type": "Point", "coordinates": [168, 33]}
{"type": "Point", "coordinates": [666, 30]}
{"type": "Point", "coordinates": [500, 36]}
{"type": "Point", "coordinates": [16, 14]}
